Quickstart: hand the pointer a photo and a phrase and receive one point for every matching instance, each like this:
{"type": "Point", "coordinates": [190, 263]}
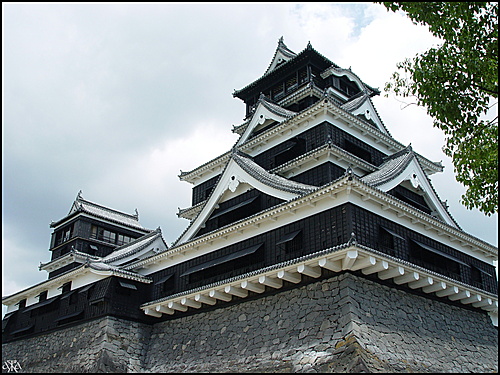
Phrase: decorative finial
{"type": "Point", "coordinates": [136, 214]}
{"type": "Point", "coordinates": [329, 139]}
{"type": "Point", "coordinates": [348, 172]}
{"type": "Point", "coordinates": [281, 40]}
{"type": "Point", "coordinates": [309, 45]}
{"type": "Point", "coordinates": [352, 240]}
{"type": "Point", "coordinates": [79, 195]}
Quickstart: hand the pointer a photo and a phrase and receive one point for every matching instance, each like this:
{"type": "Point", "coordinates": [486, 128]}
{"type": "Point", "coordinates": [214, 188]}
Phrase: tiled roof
{"type": "Point", "coordinates": [391, 167]}
{"type": "Point", "coordinates": [120, 272]}
{"type": "Point", "coordinates": [94, 209]}
{"type": "Point", "coordinates": [284, 50]}
{"type": "Point", "coordinates": [368, 89]}
{"type": "Point", "coordinates": [270, 106]}
{"type": "Point", "coordinates": [355, 103]}
{"type": "Point", "coordinates": [308, 48]}
{"type": "Point", "coordinates": [274, 108]}
{"type": "Point", "coordinates": [270, 179]}
{"type": "Point", "coordinates": [133, 247]}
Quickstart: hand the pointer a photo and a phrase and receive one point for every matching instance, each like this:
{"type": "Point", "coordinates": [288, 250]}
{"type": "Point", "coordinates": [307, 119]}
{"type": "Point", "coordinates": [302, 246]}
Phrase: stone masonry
{"type": "Point", "coordinates": [341, 324]}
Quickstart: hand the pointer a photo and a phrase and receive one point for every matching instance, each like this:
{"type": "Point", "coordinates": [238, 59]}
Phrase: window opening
{"type": "Point", "coordinates": [435, 260]}
{"type": "Point", "coordinates": [357, 150]}
{"type": "Point", "coordinates": [292, 241]}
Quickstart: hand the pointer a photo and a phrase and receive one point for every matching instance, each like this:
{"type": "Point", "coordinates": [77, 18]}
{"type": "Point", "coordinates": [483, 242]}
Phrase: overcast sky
{"type": "Point", "coordinates": [115, 99]}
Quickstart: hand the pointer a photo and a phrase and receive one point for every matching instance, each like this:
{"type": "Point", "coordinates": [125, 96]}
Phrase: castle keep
{"type": "Point", "coordinates": [316, 242]}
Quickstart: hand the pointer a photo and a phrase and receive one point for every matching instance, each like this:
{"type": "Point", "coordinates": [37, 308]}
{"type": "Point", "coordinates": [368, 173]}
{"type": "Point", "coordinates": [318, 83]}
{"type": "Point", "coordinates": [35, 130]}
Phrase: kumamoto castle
{"type": "Point", "coordinates": [317, 243]}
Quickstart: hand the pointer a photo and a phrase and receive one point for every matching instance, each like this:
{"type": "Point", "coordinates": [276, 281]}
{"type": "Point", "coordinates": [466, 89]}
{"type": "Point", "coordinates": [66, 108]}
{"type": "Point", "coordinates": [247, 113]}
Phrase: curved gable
{"type": "Point", "coordinates": [240, 175]}
{"type": "Point", "coordinates": [265, 114]}
{"type": "Point", "coordinates": [404, 169]}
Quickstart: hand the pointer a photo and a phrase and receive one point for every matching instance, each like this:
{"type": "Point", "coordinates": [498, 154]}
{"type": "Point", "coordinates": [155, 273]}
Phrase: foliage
{"type": "Point", "coordinates": [457, 82]}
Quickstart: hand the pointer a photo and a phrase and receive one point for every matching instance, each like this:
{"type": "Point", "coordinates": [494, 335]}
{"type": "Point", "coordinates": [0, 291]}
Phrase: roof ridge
{"type": "Point", "coordinates": [287, 52]}
{"type": "Point", "coordinates": [132, 216]}
{"type": "Point", "coordinates": [308, 48]}
{"type": "Point", "coordinates": [275, 108]}
{"type": "Point", "coordinates": [147, 239]}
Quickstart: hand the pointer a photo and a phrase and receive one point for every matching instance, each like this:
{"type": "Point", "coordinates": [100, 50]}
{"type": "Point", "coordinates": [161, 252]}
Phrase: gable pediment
{"type": "Point", "coordinates": [240, 175]}
{"type": "Point", "coordinates": [265, 114]}
{"type": "Point", "coordinates": [363, 108]}
{"type": "Point", "coordinates": [141, 248]}
{"type": "Point", "coordinates": [281, 55]}
{"type": "Point", "coordinates": [403, 169]}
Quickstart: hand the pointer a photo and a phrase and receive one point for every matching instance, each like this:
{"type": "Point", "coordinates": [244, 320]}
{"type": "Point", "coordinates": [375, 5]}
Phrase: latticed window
{"type": "Point", "coordinates": [292, 242]}
{"type": "Point", "coordinates": [291, 83]}
{"type": "Point", "coordinates": [358, 151]}
{"type": "Point", "coordinates": [66, 287]}
{"type": "Point", "coordinates": [42, 296]}
{"type": "Point", "coordinates": [386, 240]}
{"type": "Point", "coordinates": [64, 235]}
{"type": "Point", "coordinates": [435, 260]}
{"type": "Point", "coordinates": [278, 91]}
{"type": "Point", "coordinates": [122, 239]}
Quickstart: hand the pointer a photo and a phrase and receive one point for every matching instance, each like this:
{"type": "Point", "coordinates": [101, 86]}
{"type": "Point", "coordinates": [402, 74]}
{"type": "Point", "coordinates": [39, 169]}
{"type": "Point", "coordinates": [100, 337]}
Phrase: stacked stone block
{"type": "Point", "coordinates": [341, 324]}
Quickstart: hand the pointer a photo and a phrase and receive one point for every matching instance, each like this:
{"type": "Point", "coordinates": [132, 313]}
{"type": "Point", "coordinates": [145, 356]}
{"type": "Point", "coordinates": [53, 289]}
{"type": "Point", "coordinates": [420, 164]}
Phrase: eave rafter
{"type": "Point", "coordinates": [63, 260]}
{"type": "Point", "coordinates": [347, 257]}
{"type": "Point", "coordinates": [310, 202]}
{"type": "Point", "coordinates": [429, 223]}
{"type": "Point", "coordinates": [82, 270]}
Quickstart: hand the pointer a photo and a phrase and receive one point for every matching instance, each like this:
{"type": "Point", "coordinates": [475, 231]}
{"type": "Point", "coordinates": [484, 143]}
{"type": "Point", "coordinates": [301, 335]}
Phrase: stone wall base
{"type": "Point", "coordinates": [341, 324]}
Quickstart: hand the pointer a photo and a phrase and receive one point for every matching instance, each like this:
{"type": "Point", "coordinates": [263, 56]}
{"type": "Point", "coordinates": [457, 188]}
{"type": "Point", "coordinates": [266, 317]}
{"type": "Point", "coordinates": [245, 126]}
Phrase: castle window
{"type": "Point", "coordinates": [71, 296]}
{"type": "Point", "coordinates": [478, 275]}
{"type": "Point", "coordinates": [386, 240]}
{"type": "Point", "coordinates": [22, 303]}
{"type": "Point", "coordinates": [435, 260]}
{"type": "Point", "coordinates": [23, 331]}
{"type": "Point", "coordinates": [222, 264]}
{"type": "Point", "coordinates": [411, 198]}
{"type": "Point", "coordinates": [64, 235]}
{"type": "Point", "coordinates": [125, 288]}
{"type": "Point", "coordinates": [291, 241]}
{"type": "Point", "coordinates": [68, 318]}
{"type": "Point", "coordinates": [93, 249]}
{"type": "Point", "coordinates": [297, 148]}
{"type": "Point", "coordinates": [237, 211]}
{"type": "Point", "coordinates": [43, 306]}
{"type": "Point", "coordinates": [166, 284]}
{"type": "Point", "coordinates": [358, 151]}
{"type": "Point", "coordinates": [66, 287]}
{"type": "Point", "coordinates": [291, 83]}
{"type": "Point", "coordinates": [42, 296]}
{"type": "Point", "coordinates": [302, 76]}
{"type": "Point", "coordinates": [102, 234]}
{"type": "Point", "coordinates": [227, 210]}
{"type": "Point", "coordinates": [278, 91]}
{"type": "Point", "coordinates": [122, 239]}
